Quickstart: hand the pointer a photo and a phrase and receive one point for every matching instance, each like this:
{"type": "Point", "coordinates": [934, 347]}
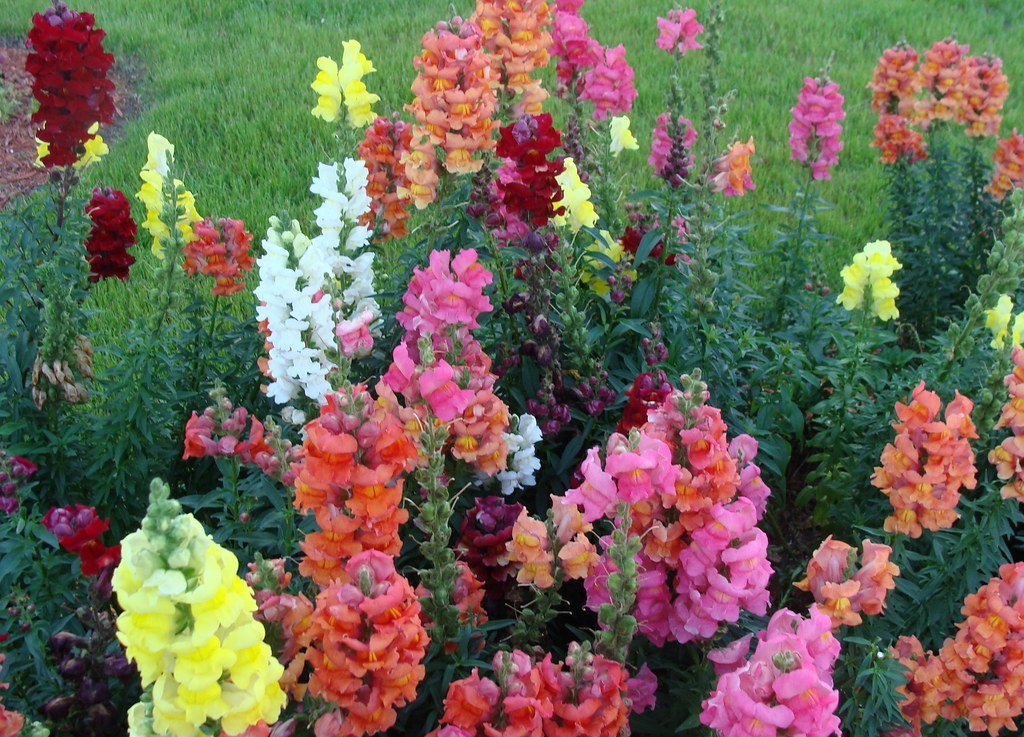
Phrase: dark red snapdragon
{"type": "Point", "coordinates": [69, 80]}
{"type": "Point", "coordinates": [649, 390]}
{"type": "Point", "coordinates": [78, 529]}
{"type": "Point", "coordinates": [112, 233]}
{"type": "Point", "coordinates": [486, 530]}
{"type": "Point", "coordinates": [525, 183]}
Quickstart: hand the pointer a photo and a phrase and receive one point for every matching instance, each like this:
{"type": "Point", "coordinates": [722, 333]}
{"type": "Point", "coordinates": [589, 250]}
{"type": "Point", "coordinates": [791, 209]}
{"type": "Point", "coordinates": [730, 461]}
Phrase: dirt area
{"type": "Point", "coordinates": [18, 172]}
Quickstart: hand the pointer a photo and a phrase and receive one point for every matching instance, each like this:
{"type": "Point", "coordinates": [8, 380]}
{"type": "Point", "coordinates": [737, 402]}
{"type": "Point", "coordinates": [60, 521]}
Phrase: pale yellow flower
{"type": "Point", "coordinates": [622, 137]}
{"type": "Point", "coordinates": [579, 210]}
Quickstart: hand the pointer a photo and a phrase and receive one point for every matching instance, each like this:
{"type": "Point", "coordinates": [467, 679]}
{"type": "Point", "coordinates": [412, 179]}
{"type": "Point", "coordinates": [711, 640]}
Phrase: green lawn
{"type": "Point", "coordinates": [228, 82]}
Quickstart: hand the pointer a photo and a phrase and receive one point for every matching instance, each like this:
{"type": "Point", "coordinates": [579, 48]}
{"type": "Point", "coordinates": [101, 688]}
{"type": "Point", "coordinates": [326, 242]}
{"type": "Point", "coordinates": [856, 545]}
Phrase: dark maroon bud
{"type": "Point", "coordinates": [594, 407]}
{"type": "Point", "coordinates": [534, 243]}
{"type": "Point", "coordinates": [73, 668]}
{"type": "Point", "coordinates": [550, 427]}
{"type": "Point", "coordinates": [91, 691]}
{"type": "Point", "coordinates": [540, 326]}
{"type": "Point", "coordinates": [528, 348]}
{"type": "Point", "coordinates": [101, 717]}
{"type": "Point", "coordinates": [544, 355]}
{"type": "Point", "coordinates": [25, 627]}
{"type": "Point", "coordinates": [62, 643]}
{"type": "Point", "coordinates": [116, 665]}
{"type": "Point", "coordinates": [58, 707]}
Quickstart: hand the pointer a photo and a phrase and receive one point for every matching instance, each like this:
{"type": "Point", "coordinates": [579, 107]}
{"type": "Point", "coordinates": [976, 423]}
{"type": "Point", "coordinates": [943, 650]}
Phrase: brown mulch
{"type": "Point", "coordinates": [18, 172]}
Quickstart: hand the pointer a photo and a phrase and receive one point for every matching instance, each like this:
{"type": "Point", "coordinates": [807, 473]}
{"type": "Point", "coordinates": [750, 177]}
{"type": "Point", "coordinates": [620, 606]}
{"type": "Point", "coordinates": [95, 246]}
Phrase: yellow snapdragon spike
{"type": "Point", "coordinates": [998, 320]}
{"type": "Point", "coordinates": [608, 247]}
{"type": "Point", "coordinates": [359, 104]}
{"type": "Point", "coordinates": [328, 89]}
{"type": "Point", "coordinates": [622, 137]}
{"type": "Point", "coordinates": [872, 269]}
{"type": "Point", "coordinates": [579, 210]}
{"type": "Point", "coordinates": [1017, 332]}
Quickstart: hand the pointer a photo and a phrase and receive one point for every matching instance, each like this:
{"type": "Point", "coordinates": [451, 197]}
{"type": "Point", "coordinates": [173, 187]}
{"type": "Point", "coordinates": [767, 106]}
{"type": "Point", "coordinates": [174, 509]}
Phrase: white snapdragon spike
{"type": "Point", "coordinates": [523, 464]}
{"type": "Point", "coordinates": [299, 317]}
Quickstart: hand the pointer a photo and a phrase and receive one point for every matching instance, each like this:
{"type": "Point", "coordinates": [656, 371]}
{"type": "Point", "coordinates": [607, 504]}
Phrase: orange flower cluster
{"type": "Point", "coordinates": [985, 91]}
{"type": "Point", "coordinates": [350, 476]}
{"type": "Point", "coordinates": [943, 78]}
{"type": "Point", "coordinates": [455, 98]}
{"type": "Point", "coordinates": [895, 84]}
{"type": "Point", "coordinates": [897, 140]}
{"type": "Point", "coordinates": [516, 33]}
{"type": "Point", "coordinates": [582, 696]}
{"type": "Point", "coordinates": [929, 461]}
{"type": "Point", "coordinates": [367, 649]}
{"type": "Point", "coordinates": [478, 434]}
{"type": "Point", "coordinates": [384, 144]}
{"type": "Point", "coordinates": [1009, 454]}
{"type": "Point", "coordinates": [535, 546]}
{"type": "Point", "coordinates": [842, 592]}
{"type": "Point", "coordinates": [421, 173]}
{"type": "Point", "coordinates": [1009, 158]}
{"type": "Point", "coordinates": [220, 249]}
{"type": "Point", "coordinates": [979, 674]}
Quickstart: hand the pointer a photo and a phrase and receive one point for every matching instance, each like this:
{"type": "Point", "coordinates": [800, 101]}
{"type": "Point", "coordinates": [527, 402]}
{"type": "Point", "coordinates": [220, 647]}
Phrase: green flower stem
{"type": "Point", "coordinates": [618, 624]}
{"type": "Point", "coordinates": [993, 396]}
{"type": "Point", "coordinates": [435, 513]}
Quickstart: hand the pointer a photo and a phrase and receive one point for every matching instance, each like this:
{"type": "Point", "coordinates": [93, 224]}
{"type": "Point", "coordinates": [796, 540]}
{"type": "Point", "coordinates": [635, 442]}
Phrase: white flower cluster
{"type": "Point", "coordinates": [522, 439]}
{"type": "Point", "coordinates": [312, 292]}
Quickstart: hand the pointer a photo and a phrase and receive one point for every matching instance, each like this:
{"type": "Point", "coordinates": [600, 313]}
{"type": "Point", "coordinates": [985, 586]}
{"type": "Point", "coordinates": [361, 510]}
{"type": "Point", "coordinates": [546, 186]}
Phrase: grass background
{"type": "Point", "coordinates": [227, 81]}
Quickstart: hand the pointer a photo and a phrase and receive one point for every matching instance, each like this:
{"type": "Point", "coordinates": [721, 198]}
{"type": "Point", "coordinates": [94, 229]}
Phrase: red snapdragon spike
{"type": "Point", "coordinates": [111, 235]}
{"type": "Point", "coordinates": [78, 530]}
{"type": "Point", "coordinates": [525, 183]}
{"type": "Point", "coordinates": [69, 68]}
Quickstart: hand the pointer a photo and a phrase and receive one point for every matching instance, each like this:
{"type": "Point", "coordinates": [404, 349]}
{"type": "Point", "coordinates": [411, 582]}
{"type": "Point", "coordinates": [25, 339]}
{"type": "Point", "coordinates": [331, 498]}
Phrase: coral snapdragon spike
{"type": "Point", "coordinates": [816, 126]}
{"type": "Point", "coordinates": [385, 143]}
{"type": "Point", "coordinates": [1007, 457]}
{"type": "Point", "coordinates": [1009, 171]}
{"type": "Point", "coordinates": [732, 175]}
{"type": "Point", "coordinates": [976, 674]}
{"type": "Point", "coordinates": [985, 91]}
{"type": "Point", "coordinates": [367, 647]}
{"type": "Point", "coordinates": [516, 34]}
{"type": "Point", "coordinates": [943, 77]}
{"type": "Point", "coordinates": [895, 83]}
{"type": "Point", "coordinates": [220, 249]}
{"type": "Point", "coordinates": [843, 591]}
{"type": "Point", "coordinates": [69, 69]}
{"type": "Point", "coordinates": [896, 140]}
{"type": "Point", "coordinates": [927, 464]}
{"type": "Point", "coordinates": [785, 687]}
{"type": "Point", "coordinates": [11, 722]}
{"type": "Point", "coordinates": [454, 97]}
{"type": "Point", "coordinates": [112, 233]}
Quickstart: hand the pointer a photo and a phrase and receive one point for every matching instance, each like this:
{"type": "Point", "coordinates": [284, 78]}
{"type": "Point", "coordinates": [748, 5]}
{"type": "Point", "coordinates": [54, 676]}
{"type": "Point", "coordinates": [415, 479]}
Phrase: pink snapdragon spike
{"type": "Point", "coordinates": [670, 148]}
{"type": "Point", "coordinates": [448, 292]}
{"type": "Point", "coordinates": [785, 688]}
{"type": "Point", "coordinates": [642, 689]}
{"type": "Point", "coordinates": [609, 85]}
{"type": "Point", "coordinates": [816, 126]}
{"type": "Point", "coordinates": [573, 47]}
{"type": "Point", "coordinates": [678, 33]}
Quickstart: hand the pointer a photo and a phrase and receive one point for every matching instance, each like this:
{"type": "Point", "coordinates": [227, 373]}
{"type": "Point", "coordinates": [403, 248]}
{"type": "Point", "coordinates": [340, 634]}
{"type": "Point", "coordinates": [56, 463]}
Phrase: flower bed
{"type": "Point", "coordinates": [493, 447]}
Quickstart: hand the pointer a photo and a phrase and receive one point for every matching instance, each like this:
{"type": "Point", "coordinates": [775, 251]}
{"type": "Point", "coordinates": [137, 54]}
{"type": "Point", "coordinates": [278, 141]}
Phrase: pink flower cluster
{"type": "Point", "coordinates": [678, 33]}
{"type": "Point", "coordinates": [670, 148]}
{"type": "Point", "coordinates": [609, 85]}
{"type": "Point", "coordinates": [448, 292]}
{"type": "Point", "coordinates": [572, 45]}
{"type": "Point", "coordinates": [816, 126]}
{"type": "Point", "coordinates": [785, 688]}
{"type": "Point", "coordinates": [695, 501]}
{"type": "Point", "coordinates": [288, 613]}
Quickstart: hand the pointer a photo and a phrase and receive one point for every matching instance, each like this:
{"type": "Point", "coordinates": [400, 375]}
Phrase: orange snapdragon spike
{"type": "Point", "coordinates": [385, 143]}
{"type": "Point", "coordinates": [479, 434]}
{"type": "Point", "coordinates": [843, 591]}
{"type": "Point", "coordinates": [516, 34]}
{"type": "Point", "coordinates": [927, 464]}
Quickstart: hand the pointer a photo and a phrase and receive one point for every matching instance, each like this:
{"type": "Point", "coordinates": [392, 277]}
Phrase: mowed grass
{"type": "Point", "coordinates": [228, 83]}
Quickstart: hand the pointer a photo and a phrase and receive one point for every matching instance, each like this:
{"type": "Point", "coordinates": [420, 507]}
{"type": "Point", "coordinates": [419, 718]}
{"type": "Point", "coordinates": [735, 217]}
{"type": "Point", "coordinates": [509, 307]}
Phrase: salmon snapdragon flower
{"type": "Point", "coordinates": [385, 142]}
{"type": "Point", "coordinates": [367, 647]}
{"type": "Point", "coordinates": [897, 141]}
{"type": "Point", "coordinates": [1008, 456]}
{"type": "Point", "coordinates": [517, 35]}
{"type": "Point", "coordinates": [221, 250]}
{"type": "Point", "coordinates": [454, 97]}
{"type": "Point", "coordinates": [732, 170]}
{"type": "Point", "coordinates": [840, 588]}
{"type": "Point", "coordinates": [1009, 171]}
{"type": "Point", "coordinates": [927, 464]}
{"type": "Point", "coordinates": [895, 83]}
{"type": "Point", "coordinates": [536, 548]}
{"type": "Point", "coordinates": [985, 91]}
{"type": "Point", "coordinates": [942, 76]}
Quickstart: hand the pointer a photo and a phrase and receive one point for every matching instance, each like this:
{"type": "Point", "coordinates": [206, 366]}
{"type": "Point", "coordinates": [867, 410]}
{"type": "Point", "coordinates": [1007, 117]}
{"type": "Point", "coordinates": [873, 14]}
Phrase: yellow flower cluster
{"type": "Point", "coordinates": [95, 149]}
{"type": "Point", "coordinates": [152, 194]}
{"type": "Point", "coordinates": [622, 137]}
{"type": "Point", "coordinates": [998, 321]}
{"type": "Point", "coordinates": [593, 263]}
{"type": "Point", "coordinates": [579, 210]}
{"type": "Point", "coordinates": [336, 85]}
{"type": "Point", "coordinates": [187, 624]}
{"type": "Point", "coordinates": [872, 268]}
